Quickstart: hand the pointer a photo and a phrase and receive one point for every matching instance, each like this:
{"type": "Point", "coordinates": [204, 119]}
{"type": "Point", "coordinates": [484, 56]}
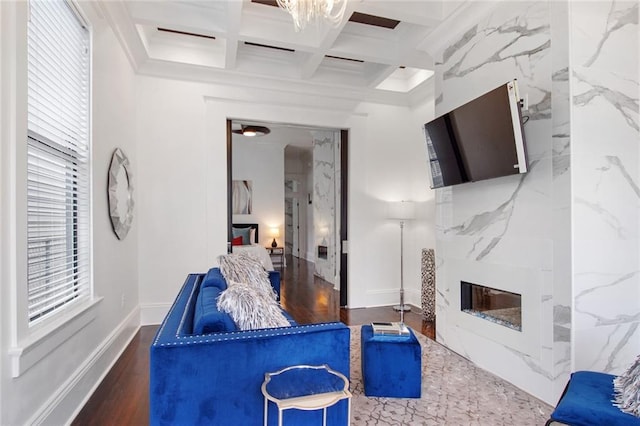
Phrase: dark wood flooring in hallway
{"type": "Point", "coordinates": [123, 396]}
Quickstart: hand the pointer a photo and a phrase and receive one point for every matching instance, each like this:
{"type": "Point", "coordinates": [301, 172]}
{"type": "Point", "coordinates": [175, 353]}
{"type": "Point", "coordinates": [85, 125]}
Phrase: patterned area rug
{"type": "Point", "coordinates": [454, 392]}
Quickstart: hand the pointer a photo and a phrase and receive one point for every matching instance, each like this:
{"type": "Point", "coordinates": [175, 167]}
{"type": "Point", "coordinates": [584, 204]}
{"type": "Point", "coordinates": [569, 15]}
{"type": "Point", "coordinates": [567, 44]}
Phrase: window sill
{"type": "Point", "coordinates": [41, 343]}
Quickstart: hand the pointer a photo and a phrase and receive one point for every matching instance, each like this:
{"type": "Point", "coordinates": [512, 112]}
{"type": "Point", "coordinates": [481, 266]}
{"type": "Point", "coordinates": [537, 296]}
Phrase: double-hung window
{"type": "Point", "coordinates": [58, 157]}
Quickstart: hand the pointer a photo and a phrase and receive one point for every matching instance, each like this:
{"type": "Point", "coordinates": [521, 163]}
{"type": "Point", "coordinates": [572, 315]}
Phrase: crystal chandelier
{"type": "Point", "coordinates": [302, 11]}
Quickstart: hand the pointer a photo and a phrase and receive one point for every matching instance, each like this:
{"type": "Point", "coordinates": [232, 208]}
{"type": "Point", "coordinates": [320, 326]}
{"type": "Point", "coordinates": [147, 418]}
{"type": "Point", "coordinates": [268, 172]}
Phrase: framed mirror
{"type": "Point", "coordinates": [120, 191]}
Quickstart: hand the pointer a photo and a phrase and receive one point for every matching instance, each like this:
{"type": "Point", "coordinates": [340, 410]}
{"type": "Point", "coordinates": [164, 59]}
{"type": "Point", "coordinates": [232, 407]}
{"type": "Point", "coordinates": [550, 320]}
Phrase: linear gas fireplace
{"type": "Point", "coordinates": [498, 306]}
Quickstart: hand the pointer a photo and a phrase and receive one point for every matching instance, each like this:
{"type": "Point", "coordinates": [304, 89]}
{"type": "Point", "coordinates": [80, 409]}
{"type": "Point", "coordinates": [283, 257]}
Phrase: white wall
{"type": "Point", "coordinates": [181, 126]}
{"type": "Point", "coordinates": [263, 165]}
{"type": "Point", "coordinates": [423, 111]}
{"type": "Point", "coordinates": [395, 158]}
{"type": "Point", "coordinates": [56, 386]}
{"type": "Point", "coordinates": [176, 195]}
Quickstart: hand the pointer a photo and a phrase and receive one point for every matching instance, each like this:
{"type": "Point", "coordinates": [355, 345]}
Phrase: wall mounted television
{"type": "Point", "coordinates": [482, 139]}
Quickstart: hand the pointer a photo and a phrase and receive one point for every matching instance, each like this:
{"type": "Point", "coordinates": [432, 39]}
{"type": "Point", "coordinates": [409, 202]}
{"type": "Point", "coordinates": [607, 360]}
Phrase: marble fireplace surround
{"type": "Point", "coordinates": [565, 235]}
{"type": "Point", "coordinates": [501, 277]}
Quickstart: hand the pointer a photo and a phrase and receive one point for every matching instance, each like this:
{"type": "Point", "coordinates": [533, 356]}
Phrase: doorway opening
{"type": "Point", "coordinates": [299, 184]}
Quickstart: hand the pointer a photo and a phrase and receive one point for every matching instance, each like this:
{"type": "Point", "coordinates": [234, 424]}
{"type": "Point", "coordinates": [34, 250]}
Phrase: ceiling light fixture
{"type": "Point", "coordinates": [302, 11]}
{"type": "Point", "coordinates": [251, 131]}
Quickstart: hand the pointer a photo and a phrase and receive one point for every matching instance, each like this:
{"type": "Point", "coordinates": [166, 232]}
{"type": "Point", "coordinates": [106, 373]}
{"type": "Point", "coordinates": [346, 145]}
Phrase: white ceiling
{"type": "Point", "coordinates": [373, 56]}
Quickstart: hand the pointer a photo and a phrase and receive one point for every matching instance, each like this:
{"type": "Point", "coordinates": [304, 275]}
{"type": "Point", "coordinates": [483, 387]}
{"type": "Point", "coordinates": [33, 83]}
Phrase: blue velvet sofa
{"type": "Point", "coordinates": [205, 371]}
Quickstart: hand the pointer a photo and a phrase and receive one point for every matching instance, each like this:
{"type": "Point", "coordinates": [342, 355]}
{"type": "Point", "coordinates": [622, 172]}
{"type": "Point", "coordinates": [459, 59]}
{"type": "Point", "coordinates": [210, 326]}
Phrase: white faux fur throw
{"type": "Point", "coordinates": [626, 389]}
{"type": "Point", "coordinates": [245, 268]}
{"type": "Point", "coordinates": [250, 309]}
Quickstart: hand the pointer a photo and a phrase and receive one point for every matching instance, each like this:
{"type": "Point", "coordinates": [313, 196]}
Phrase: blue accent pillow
{"type": "Point", "coordinates": [207, 318]}
{"type": "Point", "coordinates": [214, 278]}
{"type": "Point", "coordinates": [245, 233]}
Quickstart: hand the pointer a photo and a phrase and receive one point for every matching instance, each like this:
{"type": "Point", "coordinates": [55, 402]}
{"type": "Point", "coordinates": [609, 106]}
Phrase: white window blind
{"type": "Point", "coordinates": [58, 197]}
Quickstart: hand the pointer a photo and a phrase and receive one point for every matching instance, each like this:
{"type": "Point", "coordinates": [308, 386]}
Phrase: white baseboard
{"type": "Point", "coordinates": [391, 297]}
{"type": "Point", "coordinates": [153, 313]}
{"type": "Point", "coordinates": [413, 297]}
{"type": "Point", "coordinates": [65, 404]}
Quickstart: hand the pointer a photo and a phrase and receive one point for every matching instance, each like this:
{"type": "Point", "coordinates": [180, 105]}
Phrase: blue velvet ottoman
{"type": "Point", "coordinates": [391, 365]}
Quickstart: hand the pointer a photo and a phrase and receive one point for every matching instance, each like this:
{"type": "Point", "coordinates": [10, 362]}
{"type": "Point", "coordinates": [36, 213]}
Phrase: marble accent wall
{"type": "Point", "coordinates": [324, 202]}
{"type": "Point", "coordinates": [561, 197]}
{"type": "Point", "coordinates": [605, 145]}
{"type": "Point", "coordinates": [567, 234]}
{"type": "Point", "coordinates": [500, 232]}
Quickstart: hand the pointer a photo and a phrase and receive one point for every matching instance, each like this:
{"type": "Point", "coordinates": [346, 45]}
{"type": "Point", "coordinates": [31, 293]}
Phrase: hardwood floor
{"type": "Point", "coordinates": [310, 299]}
{"type": "Point", "coordinates": [123, 396]}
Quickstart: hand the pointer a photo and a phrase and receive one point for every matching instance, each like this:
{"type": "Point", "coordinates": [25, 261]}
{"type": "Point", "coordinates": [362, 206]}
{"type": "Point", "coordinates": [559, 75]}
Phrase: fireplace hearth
{"type": "Point", "coordinates": [498, 306]}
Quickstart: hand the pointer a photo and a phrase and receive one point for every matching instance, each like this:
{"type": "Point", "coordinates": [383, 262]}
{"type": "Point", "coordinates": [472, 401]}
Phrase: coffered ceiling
{"type": "Point", "coordinates": [378, 49]}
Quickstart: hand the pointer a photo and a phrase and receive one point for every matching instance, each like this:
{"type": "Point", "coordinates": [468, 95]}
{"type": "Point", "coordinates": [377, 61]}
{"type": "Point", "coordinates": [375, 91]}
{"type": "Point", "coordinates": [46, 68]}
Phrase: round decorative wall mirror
{"type": "Point", "coordinates": [120, 189]}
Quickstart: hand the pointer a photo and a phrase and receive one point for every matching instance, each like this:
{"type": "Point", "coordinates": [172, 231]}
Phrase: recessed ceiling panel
{"type": "Point", "coordinates": [266, 46]}
{"type": "Point", "coordinates": [246, 39]}
{"type": "Point", "coordinates": [376, 21]}
{"type": "Point", "coordinates": [273, 3]}
{"type": "Point", "coordinates": [167, 30]}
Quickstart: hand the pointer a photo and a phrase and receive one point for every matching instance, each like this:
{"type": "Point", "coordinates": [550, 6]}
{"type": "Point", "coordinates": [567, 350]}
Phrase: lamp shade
{"type": "Point", "coordinates": [402, 210]}
{"type": "Point", "coordinates": [274, 231]}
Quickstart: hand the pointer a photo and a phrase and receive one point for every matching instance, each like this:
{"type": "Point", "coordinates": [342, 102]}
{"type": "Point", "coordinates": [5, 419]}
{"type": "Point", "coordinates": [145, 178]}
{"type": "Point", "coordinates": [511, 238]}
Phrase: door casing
{"type": "Point", "coordinates": [344, 203]}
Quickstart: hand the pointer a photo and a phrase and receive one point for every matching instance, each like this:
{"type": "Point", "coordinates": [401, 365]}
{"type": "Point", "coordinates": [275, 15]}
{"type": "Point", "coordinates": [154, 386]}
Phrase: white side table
{"type": "Point", "coordinates": [327, 387]}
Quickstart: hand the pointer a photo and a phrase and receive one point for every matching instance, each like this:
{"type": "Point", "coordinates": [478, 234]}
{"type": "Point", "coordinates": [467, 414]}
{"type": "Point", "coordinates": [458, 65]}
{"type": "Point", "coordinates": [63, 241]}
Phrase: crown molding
{"type": "Point", "coordinates": [250, 85]}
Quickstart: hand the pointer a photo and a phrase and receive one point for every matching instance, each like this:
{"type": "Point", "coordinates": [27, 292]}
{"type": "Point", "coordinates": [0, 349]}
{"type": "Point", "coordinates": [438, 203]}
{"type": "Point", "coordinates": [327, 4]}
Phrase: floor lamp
{"type": "Point", "coordinates": [402, 211]}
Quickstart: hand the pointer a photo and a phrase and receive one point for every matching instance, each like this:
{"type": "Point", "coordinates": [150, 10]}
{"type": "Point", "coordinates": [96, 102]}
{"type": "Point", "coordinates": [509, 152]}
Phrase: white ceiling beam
{"type": "Point", "coordinates": [230, 53]}
{"type": "Point", "coordinates": [426, 13]}
{"type": "Point", "coordinates": [310, 66]}
{"type": "Point", "coordinates": [408, 35]}
{"type": "Point", "coordinates": [381, 75]}
{"type": "Point", "coordinates": [278, 31]}
{"type": "Point", "coordinates": [461, 17]}
{"type": "Point", "coordinates": [183, 17]}
{"type": "Point", "coordinates": [331, 34]}
{"type": "Point", "coordinates": [234, 20]}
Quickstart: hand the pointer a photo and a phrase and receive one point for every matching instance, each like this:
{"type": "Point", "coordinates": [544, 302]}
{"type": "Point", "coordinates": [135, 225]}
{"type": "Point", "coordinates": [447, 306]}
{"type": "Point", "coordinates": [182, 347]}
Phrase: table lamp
{"type": "Point", "coordinates": [275, 233]}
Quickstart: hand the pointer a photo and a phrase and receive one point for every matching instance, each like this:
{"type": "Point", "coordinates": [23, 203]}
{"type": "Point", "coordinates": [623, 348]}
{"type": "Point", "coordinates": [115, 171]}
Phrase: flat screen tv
{"type": "Point", "coordinates": [479, 140]}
